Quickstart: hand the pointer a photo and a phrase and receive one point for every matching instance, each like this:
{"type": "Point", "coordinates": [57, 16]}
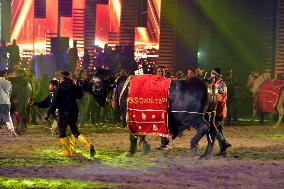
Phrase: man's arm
{"type": "Point", "coordinates": [45, 103]}
{"type": "Point", "coordinates": [54, 103]}
{"type": "Point", "coordinates": [79, 92]}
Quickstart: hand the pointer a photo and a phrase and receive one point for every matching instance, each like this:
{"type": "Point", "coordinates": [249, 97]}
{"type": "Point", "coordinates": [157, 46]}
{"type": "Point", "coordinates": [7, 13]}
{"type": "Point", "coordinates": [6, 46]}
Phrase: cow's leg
{"type": "Point", "coordinates": [146, 148]}
{"type": "Point", "coordinates": [202, 128]}
{"type": "Point", "coordinates": [280, 117]}
{"type": "Point", "coordinates": [210, 118]}
{"type": "Point", "coordinates": [280, 108]}
{"type": "Point", "coordinates": [254, 113]}
{"type": "Point", "coordinates": [211, 139]}
{"type": "Point", "coordinates": [133, 145]}
{"type": "Point", "coordinates": [164, 143]}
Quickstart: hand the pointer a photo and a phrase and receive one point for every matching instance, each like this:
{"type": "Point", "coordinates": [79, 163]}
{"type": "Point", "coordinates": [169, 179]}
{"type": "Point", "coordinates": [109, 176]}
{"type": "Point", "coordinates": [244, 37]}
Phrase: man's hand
{"type": "Point", "coordinates": [31, 101]}
{"type": "Point", "coordinates": [75, 81]}
{"type": "Point", "coordinates": [45, 117]}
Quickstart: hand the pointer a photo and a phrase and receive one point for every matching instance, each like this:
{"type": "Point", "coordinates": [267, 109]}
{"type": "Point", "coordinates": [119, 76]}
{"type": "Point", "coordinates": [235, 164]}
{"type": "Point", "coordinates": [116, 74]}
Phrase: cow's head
{"type": "Point", "coordinates": [99, 85]}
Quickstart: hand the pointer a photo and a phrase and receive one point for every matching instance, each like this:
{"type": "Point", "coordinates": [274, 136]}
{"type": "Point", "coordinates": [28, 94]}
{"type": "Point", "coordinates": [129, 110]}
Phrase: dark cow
{"type": "Point", "coordinates": [188, 103]}
{"type": "Point", "coordinates": [21, 92]}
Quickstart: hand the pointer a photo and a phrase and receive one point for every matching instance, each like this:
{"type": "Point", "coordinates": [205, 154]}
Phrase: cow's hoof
{"type": "Point", "coordinates": [193, 152]}
{"type": "Point", "coordinates": [205, 157]}
{"type": "Point", "coordinates": [128, 154]}
{"type": "Point", "coordinates": [164, 148]}
{"type": "Point", "coordinates": [222, 154]}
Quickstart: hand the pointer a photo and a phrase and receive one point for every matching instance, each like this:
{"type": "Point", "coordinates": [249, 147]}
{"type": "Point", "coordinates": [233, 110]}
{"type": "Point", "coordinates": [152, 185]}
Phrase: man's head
{"type": "Point", "coordinates": [65, 75]}
{"type": "Point", "coordinates": [52, 85]}
{"type": "Point", "coordinates": [74, 43]}
{"type": "Point", "coordinates": [190, 72]}
{"type": "Point", "coordinates": [216, 72]}
{"type": "Point", "coordinates": [123, 72]}
{"type": "Point", "coordinates": [161, 71]}
{"type": "Point", "coordinates": [198, 72]}
{"type": "Point", "coordinates": [2, 73]}
{"type": "Point", "coordinates": [14, 41]}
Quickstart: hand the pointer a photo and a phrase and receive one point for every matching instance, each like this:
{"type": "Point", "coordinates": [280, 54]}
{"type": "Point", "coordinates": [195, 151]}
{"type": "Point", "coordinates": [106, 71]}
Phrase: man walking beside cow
{"type": "Point", "coordinates": [64, 99]}
{"type": "Point", "coordinates": [45, 103]}
{"type": "Point", "coordinates": [220, 88]}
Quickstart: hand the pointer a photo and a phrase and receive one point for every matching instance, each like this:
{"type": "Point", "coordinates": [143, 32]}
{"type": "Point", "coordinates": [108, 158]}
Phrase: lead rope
{"type": "Point", "coordinates": [124, 87]}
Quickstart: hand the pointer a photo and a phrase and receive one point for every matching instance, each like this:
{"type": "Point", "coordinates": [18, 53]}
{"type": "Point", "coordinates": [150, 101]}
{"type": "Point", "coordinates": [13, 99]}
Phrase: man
{"type": "Point", "coordinates": [161, 71]}
{"type": "Point", "coordinates": [86, 60]}
{"type": "Point", "coordinates": [64, 99]}
{"type": "Point", "coordinates": [3, 56]}
{"type": "Point", "coordinates": [221, 112]}
{"type": "Point", "coordinates": [221, 88]}
{"type": "Point", "coordinates": [45, 103]}
{"type": "Point", "coordinates": [232, 86]}
{"type": "Point", "coordinates": [14, 55]}
{"type": "Point", "coordinates": [5, 104]}
{"type": "Point", "coordinates": [164, 140]}
{"type": "Point", "coordinates": [73, 58]}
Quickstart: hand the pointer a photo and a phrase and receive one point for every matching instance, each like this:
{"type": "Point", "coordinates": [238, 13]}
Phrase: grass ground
{"type": "Point", "coordinates": [255, 160]}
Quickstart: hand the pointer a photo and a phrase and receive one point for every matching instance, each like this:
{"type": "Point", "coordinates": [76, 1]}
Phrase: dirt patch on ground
{"type": "Point", "coordinates": [256, 160]}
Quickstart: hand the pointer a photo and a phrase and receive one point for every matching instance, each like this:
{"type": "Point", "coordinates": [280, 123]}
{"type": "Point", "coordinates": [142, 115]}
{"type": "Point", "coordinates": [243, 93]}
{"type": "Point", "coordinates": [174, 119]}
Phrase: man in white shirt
{"type": "Point", "coordinates": [5, 104]}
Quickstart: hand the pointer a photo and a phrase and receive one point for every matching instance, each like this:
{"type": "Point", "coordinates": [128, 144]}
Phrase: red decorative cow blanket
{"type": "Point", "coordinates": [147, 105]}
{"type": "Point", "coordinates": [268, 95]}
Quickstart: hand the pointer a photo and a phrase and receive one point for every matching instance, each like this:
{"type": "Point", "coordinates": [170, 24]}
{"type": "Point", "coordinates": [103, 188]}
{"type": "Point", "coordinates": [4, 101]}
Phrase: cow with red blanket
{"type": "Point", "coordinates": [270, 98]}
{"type": "Point", "coordinates": [157, 105]}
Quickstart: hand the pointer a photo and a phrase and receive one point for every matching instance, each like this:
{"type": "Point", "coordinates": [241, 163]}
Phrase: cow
{"type": "Point", "coordinates": [21, 92]}
{"type": "Point", "coordinates": [269, 98]}
{"type": "Point", "coordinates": [188, 103]}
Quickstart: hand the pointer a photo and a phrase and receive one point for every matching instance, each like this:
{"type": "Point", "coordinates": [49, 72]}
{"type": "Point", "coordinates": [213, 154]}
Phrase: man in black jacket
{"type": "Point", "coordinates": [45, 103]}
{"type": "Point", "coordinates": [64, 99]}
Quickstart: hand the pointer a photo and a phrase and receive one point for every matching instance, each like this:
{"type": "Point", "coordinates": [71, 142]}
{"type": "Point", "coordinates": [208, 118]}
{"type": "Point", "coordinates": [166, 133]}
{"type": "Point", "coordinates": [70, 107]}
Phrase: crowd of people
{"type": "Point", "coordinates": [13, 50]}
{"type": "Point", "coordinates": [64, 94]}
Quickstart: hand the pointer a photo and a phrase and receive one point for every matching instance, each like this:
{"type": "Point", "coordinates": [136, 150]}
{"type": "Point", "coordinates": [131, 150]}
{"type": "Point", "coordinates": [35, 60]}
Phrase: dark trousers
{"type": "Point", "coordinates": [67, 119]}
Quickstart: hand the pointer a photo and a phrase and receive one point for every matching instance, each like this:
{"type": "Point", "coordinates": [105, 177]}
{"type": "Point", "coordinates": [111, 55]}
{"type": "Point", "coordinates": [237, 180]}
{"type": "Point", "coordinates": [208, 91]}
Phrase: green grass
{"type": "Point", "coordinates": [50, 183]}
{"type": "Point", "coordinates": [111, 158]}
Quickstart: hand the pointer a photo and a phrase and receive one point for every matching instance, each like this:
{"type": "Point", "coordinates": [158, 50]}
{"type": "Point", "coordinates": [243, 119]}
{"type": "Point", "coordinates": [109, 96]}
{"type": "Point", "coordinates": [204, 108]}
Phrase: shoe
{"type": "Point", "coordinates": [89, 146]}
{"type": "Point", "coordinates": [13, 133]}
{"type": "Point", "coordinates": [70, 139]}
{"type": "Point", "coordinates": [224, 148]}
{"type": "Point", "coordinates": [66, 150]}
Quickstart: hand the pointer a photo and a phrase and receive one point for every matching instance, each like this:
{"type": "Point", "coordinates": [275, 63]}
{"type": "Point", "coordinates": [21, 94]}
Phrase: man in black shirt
{"type": "Point", "coordinates": [64, 99]}
{"type": "Point", "coordinates": [45, 103]}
